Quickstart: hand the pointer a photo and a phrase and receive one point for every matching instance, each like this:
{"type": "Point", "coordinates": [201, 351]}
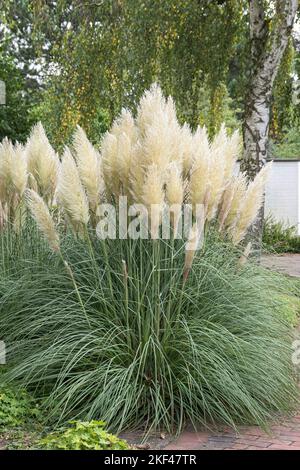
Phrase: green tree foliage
{"type": "Point", "coordinates": [283, 111]}
{"type": "Point", "coordinates": [179, 43]}
{"type": "Point", "coordinates": [89, 59]}
{"type": "Point", "coordinates": [101, 56]}
{"type": "Point", "coordinates": [16, 115]}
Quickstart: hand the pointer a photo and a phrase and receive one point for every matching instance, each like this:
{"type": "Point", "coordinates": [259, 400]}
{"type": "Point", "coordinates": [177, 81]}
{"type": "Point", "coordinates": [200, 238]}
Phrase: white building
{"type": "Point", "coordinates": [283, 192]}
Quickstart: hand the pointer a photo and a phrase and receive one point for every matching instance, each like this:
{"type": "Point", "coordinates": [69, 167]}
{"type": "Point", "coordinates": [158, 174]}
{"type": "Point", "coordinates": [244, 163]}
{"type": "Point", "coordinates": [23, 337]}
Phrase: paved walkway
{"type": "Point", "coordinates": [284, 436]}
{"type": "Point", "coordinates": [286, 263]}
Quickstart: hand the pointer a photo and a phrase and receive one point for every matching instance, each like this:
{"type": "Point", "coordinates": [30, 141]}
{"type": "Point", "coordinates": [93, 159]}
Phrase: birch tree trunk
{"type": "Point", "coordinates": [269, 39]}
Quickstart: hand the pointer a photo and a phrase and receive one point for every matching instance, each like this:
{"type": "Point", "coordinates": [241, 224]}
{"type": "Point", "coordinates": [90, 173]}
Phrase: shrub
{"type": "Point", "coordinates": [279, 238]}
{"type": "Point", "coordinates": [16, 407]}
{"type": "Point", "coordinates": [83, 436]}
{"type": "Point", "coordinates": [289, 147]}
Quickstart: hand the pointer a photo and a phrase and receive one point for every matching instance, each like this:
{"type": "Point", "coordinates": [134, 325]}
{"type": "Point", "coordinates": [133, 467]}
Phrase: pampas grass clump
{"type": "Point", "coordinates": [150, 332]}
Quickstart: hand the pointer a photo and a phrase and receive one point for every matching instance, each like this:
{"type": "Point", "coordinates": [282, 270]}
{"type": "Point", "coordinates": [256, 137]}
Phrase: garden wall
{"type": "Point", "coordinates": [283, 192]}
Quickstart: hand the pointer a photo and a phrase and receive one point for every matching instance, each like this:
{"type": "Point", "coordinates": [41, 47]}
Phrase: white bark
{"type": "Point", "coordinates": [267, 48]}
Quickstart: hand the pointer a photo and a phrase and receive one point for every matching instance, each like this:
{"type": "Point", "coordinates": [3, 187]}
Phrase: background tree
{"type": "Point", "coordinates": [17, 114]}
{"type": "Point", "coordinates": [95, 57]}
{"type": "Point", "coordinates": [81, 62]}
{"type": "Point", "coordinates": [283, 114]}
{"type": "Point", "coordinates": [269, 39]}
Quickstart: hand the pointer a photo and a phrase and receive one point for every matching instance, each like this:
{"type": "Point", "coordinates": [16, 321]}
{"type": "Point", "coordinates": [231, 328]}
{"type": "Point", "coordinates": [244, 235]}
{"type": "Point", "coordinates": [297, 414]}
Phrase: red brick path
{"type": "Point", "coordinates": [285, 436]}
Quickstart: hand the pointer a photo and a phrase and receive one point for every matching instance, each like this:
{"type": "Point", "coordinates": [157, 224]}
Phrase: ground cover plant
{"type": "Point", "coordinates": [279, 238]}
{"type": "Point", "coordinates": [83, 436]}
{"type": "Point", "coordinates": [16, 407]}
{"type": "Point", "coordinates": [20, 417]}
{"type": "Point", "coordinates": [141, 332]}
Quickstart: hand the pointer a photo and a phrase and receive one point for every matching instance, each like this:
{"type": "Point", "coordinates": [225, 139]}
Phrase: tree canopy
{"type": "Point", "coordinates": [81, 62]}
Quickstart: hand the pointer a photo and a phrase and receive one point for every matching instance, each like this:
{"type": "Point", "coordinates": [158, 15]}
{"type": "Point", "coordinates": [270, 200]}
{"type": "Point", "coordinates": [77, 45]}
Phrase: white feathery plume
{"type": "Point", "coordinates": [13, 169]}
{"type": "Point", "coordinates": [154, 116]}
{"type": "Point", "coordinates": [2, 213]}
{"type": "Point", "coordinates": [89, 167]}
{"type": "Point", "coordinates": [226, 203]}
{"type": "Point", "coordinates": [137, 173]}
{"type": "Point", "coordinates": [232, 151]}
{"type": "Point", "coordinates": [125, 151]}
{"type": "Point", "coordinates": [186, 137]}
{"type": "Point", "coordinates": [153, 187]}
{"type": "Point", "coordinates": [174, 184]}
{"type": "Point", "coordinates": [6, 151]}
{"type": "Point", "coordinates": [157, 144]}
{"type": "Point", "coordinates": [151, 108]}
{"type": "Point", "coordinates": [44, 221]}
{"type": "Point", "coordinates": [43, 162]}
{"type": "Point", "coordinates": [125, 124]}
{"type": "Point", "coordinates": [70, 192]}
{"type": "Point", "coordinates": [170, 110]}
{"type": "Point", "coordinates": [31, 183]}
{"type": "Point", "coordinates": [217, 177]}
{"type": "Point", "coordinates": [216, 181]}
{"type": "Point", "coordinates": [18, 169]}
{"type": "Point", "coordinates": [109, 152]}
{"type": "Point", "coordinates": [176, 134]}
{"type": "Point", "coordinates": [175, 189]}
{"type": "Point", "coordinates": [220, 138]}
{"type": "Point", "coordinates": [117, 151]}
{"type": "Point", "coordinates": [149, 158]}
{"type": "Point", "coordinates": [200, 171]}
{"type": "Point", "coordinates": [225, 151]}
{"type": "Point", "coordinates": [239, 188]}
{"type": "Point", "coordinates": [194, 243]}
{"type": "Point", "coordinates": [250, 205]}
{"type": "Point", "coordinates": [153, 197]}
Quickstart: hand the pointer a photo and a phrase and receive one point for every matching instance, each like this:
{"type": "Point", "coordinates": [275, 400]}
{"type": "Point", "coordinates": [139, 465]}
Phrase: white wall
{"type": "Point", "coordinates": [283, 193]}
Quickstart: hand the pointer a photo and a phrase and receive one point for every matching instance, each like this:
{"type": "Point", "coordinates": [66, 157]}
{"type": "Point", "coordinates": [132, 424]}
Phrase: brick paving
{"type": "Point", "coordinates": [284, 436]}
